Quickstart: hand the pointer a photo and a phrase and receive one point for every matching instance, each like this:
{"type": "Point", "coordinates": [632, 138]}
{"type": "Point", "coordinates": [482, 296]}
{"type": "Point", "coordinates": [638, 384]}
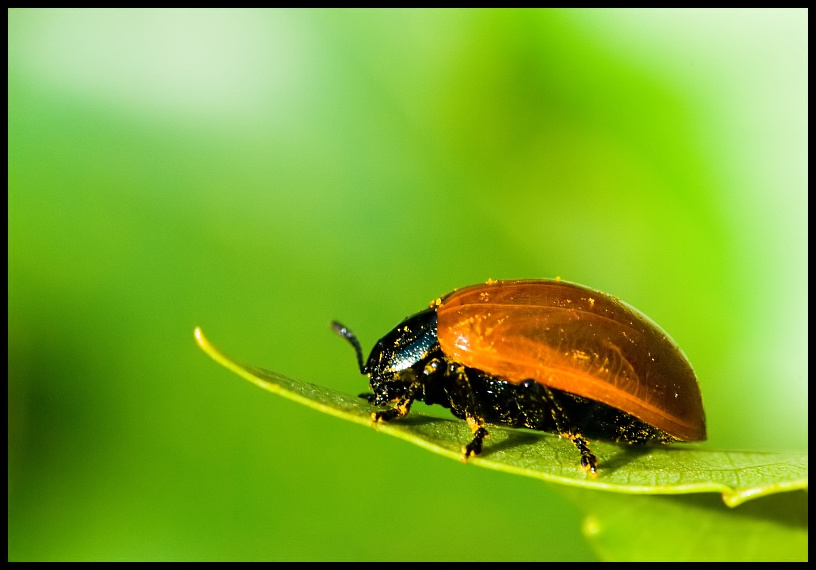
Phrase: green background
{"type": "Point", "coordinates": [259, 173]}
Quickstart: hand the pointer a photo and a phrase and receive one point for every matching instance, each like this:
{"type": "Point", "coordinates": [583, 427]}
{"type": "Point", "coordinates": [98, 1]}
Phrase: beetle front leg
{"type": "Point", "coordinates": [400, 409]}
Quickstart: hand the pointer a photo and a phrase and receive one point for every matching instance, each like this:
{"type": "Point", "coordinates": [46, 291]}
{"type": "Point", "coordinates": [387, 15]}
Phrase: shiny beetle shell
{"type": "Point", "coordinates": [574, 339]}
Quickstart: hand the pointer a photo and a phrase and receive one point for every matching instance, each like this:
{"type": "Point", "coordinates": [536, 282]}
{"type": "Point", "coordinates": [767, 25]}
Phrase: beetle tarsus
{"type": "Point", "coordinates": [588, 461]}
{"type": "Point", "coordinates": [368, 397]}
{"type": "Point", "coordinates": [402, 407]}
{"type": "Point", "coordinates": [475, 446]}
{"type": "Point", "coordinates": [385, 415]}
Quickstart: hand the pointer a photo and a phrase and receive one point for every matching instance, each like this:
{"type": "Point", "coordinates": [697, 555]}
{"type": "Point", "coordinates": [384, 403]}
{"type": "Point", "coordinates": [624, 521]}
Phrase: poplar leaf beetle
{"type": "Point", "coordinates": [546, 355]}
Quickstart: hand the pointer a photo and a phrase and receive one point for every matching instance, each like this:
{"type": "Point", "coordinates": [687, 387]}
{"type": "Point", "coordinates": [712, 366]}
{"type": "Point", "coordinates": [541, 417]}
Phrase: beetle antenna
{"type": "Point", "coordinates": [349, 336]}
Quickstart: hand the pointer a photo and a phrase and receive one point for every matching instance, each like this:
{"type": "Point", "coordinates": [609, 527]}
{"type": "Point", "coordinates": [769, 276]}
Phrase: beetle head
{"type": "Point", "coordinates": [397, 357]}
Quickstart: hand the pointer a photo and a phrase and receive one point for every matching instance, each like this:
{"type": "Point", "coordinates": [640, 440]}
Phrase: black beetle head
{"type": "Point", "coordinates": [394, 361]}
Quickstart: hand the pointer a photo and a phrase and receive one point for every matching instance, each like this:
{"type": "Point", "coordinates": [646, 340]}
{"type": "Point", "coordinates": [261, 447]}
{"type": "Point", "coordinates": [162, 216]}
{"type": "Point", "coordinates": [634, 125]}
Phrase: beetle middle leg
{"type": "Point", "coordinates": [464, 405]}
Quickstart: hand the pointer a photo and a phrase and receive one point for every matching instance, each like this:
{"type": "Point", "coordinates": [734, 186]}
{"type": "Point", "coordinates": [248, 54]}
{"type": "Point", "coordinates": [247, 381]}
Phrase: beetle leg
{"type": "Point", "coordinates": [390, 414]}
{"type": "Point", "coordinates": [432, 367]}
{"type": "Point", "coordinates": [368, 397]}
{"type": "Point", "coordinates": [563, 426]}
{"type": "Point", "coordinates": [464, 404]}
{"type": "Point", "coordinates": [475, 445]}
{"type": "Point", "coordinates": [588, 461]}
{"type": "Point", "coordinates": [549, 402]}
{"type": "Point", "coordinates": [400, 409]}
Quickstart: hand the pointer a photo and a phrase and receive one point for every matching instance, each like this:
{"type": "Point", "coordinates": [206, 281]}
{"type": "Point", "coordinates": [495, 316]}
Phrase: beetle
{"type": "Point", "coordinates": [547, 355]}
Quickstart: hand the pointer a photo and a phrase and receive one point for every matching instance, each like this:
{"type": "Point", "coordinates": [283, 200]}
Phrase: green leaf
{"type": "Point", "coordinates": [695, 527]}
{"type": "Point", "coordinates": [677, 469]}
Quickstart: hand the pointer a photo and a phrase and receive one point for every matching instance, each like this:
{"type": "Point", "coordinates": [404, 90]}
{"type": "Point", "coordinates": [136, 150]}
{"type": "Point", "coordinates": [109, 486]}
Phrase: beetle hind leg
{"type": "Point", "coordinates": [588, 461]}
{"type": "Point", "coordinates": [561, 421]}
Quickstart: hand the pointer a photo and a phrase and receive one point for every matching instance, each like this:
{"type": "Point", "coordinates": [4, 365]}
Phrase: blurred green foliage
{"type": "Point", "coordinates": [260, 173]}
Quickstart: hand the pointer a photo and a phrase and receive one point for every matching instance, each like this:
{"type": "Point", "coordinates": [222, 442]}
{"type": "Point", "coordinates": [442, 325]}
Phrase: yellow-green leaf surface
{"type": "Point", "coordinates": [695, 527]}
{"type": "Point", "coordinates": [737, 476]}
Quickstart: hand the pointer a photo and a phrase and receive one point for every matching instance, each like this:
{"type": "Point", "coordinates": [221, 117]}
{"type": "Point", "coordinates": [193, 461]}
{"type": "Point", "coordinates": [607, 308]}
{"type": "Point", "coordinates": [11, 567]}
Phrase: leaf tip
{"type": "Point", "coordinates": [201, 340]}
